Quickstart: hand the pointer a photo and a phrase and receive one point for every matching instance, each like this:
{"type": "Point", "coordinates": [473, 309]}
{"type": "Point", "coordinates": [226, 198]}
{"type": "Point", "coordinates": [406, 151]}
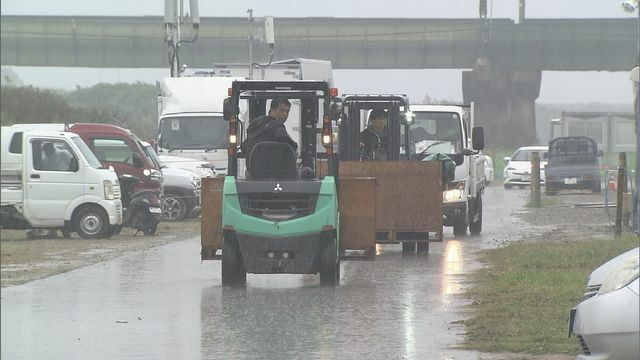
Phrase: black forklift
{"type": "Point", "coordinates": [409, 192]}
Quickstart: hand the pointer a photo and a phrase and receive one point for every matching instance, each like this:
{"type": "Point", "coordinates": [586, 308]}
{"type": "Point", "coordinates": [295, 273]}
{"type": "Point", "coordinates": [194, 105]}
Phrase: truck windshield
{"type": "Point", "coordinates": [87, 153]}
{"type": "Point", "coordinates": [193, 132]}
{"type": "Point", "coordinates": [436, 132]}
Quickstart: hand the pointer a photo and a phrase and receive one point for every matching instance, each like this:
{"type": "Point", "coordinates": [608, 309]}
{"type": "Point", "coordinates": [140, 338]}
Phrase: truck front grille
{"type": "Point", "coordinates": [278, 207]}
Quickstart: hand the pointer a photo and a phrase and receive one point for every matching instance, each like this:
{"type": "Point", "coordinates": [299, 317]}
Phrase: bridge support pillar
{"type": "Point", "coordinates": [504, 103]}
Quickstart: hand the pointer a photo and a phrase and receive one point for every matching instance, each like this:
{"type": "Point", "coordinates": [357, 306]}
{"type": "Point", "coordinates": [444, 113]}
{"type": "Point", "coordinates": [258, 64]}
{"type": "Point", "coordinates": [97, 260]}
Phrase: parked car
{"type": "Point", "coordinates": [517, 168]}
{"type": "Point", "coordinates": [488, 169]}
{"type": "Point", "coordinates": [607, 323]}
{"type": "Point", "coordinates": [181, 189]}
{"type": "Point", "coordinates": [597, 276]}
{"type": "Point", "coordinates": [573, 164]}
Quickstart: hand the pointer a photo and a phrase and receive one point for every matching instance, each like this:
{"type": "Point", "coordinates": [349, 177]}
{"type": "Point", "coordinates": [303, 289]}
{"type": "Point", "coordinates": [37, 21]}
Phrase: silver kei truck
{"type": "Point", "coordinates": [444, 129]}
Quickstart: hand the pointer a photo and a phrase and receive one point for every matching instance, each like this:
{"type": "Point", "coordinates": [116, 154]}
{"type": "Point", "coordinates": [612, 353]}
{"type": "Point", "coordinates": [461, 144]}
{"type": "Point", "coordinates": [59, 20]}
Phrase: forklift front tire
{"type": "Point", "coordinates": [233, 272]}
{"type": "Point", "coordinates": [329, 264]}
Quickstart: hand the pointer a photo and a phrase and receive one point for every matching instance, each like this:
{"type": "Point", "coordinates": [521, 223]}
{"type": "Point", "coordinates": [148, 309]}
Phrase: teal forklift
{"type": "Point", "coordinates": [276, 218]}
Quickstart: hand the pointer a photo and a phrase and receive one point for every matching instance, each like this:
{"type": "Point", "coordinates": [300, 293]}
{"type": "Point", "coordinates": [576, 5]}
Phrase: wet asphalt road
{"type": "Point", "coordinates": [165, 304]}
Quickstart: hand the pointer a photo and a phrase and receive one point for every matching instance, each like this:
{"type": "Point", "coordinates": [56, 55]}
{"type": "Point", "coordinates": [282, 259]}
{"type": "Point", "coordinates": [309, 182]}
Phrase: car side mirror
{"type": "Point", "coordinates": [229, 108]}
{"type": "Point", "coordinates": [506, 160]}
{"type": "Point", "coordinates": [477, 138]}
{"type": "Point", "coordinates": [137, 161]}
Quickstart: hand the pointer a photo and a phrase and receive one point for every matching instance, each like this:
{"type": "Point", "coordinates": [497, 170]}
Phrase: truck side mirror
{"type": "Point", "coordinates": [600, 153]}
{"type": "Point", "coordinates": [335, 110]}
{"type": "Point", "coordinates": [477, 138]}
{"type": "Point", "coordinates": [228, 108]}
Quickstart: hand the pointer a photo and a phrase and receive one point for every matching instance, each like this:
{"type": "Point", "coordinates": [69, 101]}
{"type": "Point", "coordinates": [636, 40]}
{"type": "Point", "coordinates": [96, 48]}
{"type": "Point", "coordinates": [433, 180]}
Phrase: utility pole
{"type": "Point", "coordinates": [173, 17]}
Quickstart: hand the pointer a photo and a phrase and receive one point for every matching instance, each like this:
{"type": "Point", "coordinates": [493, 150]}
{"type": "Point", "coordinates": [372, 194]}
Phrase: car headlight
{"type": "Point", "coordinates": [622, 276]}
{"type": "Point", "coordinates": [454, 192]}
{"type": "Point", "coordinates": [108, 190]}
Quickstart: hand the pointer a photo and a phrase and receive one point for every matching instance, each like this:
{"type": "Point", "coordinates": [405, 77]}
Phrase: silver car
{"type": "Point", "coordinates": [517, 168]}
{"type": "Point", "coordinates": [607, 323]}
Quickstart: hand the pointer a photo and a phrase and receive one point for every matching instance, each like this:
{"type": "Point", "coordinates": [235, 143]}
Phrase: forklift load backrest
{"type": "Point", "coordinates": [272, 160]}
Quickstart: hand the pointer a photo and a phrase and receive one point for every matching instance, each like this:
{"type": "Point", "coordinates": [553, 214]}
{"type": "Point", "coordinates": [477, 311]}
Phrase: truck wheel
{"type": "Point", "coordinates": [475, 227]}
{"type": "Point", "coordinates": [408, 247]}
{"type": "Point", "coordinates": [174, 207]}
{"type": "Point", "coordinates": [233, 272]}
{"type": "Point", "coordinates": [92, 222]}
{"type": "Point", "coordinates": [329, 264]}
{"type": "Point", "coordinates": [460, 226]}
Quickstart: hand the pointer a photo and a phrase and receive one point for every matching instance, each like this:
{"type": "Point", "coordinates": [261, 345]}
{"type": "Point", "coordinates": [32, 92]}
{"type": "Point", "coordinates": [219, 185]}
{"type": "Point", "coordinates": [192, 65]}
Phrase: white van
{"type": "Point", "coordinates": [51, 179]}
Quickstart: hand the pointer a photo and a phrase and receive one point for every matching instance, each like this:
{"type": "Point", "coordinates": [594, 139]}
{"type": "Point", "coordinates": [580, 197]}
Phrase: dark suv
{"type": "Point", "coordinates": [573, 164]}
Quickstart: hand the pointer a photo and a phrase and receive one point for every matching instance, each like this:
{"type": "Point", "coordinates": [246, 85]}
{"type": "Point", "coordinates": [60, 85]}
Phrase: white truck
{"type": "Point", "coordinates": [444, 129]}
{"type": "Point", "coordinates": [192, 133]}
{"type": "Point", "coordinates": [52, 180]}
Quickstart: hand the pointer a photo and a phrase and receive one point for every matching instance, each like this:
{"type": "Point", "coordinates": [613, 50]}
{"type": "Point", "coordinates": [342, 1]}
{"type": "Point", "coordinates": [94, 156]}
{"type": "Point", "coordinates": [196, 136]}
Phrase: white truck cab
{"type": "Point", "coordinates": [192, 133]}
{"type": "Point", "coordinates": [445, 129]}
{"type": "Point", "coordinates": [51, 179]}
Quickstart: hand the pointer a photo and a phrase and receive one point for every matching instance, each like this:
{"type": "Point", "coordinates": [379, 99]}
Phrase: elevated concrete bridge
{"type": "Point", "coordinates": [504, 60]}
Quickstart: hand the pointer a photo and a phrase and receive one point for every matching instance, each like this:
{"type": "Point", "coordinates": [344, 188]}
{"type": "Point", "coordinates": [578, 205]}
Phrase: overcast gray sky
{"type": "Point", "coordinates": [605, 87]}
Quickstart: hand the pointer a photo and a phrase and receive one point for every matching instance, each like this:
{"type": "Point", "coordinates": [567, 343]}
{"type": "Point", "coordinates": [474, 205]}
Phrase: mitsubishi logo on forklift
{"type": "Point", "coordinates": [278, 188]}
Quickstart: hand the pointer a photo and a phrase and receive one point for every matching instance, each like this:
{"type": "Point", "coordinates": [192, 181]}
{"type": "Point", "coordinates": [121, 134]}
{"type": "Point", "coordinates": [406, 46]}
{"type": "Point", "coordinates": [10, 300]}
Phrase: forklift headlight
{"type": "Point", "coordinates": [454, 192]}
{"type": "Point", "coordinates": [326, 140]}
{"type": "Point", "coordinates": [452, 195]}
{"type": "Point", "coordinates": [233, 139]}
{"type": "Point", "coordinates": [108, 190]}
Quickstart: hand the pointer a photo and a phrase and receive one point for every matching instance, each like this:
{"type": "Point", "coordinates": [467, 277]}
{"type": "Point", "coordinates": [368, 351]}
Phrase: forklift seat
{"type": "Point", "coordinates": [272, 160]}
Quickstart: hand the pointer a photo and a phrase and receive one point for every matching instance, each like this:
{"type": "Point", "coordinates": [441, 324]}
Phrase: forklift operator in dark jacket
{"type": "Point", "coordinates": [269, 127]}
{"type": "Point", "coordinates": [373, 139]}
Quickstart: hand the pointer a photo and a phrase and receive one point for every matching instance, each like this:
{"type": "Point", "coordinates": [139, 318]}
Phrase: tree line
{"type": "Point", "coordinates": [132, 106]}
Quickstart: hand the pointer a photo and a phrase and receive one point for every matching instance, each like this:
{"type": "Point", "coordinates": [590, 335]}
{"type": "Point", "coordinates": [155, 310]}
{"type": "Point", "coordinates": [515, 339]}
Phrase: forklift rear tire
{"type": "Point", "coordinates": [233, 271]}
{"type": "Point", "coordinates": [329, 264]}
{"type": "Point", "coordinates": [408, 247]}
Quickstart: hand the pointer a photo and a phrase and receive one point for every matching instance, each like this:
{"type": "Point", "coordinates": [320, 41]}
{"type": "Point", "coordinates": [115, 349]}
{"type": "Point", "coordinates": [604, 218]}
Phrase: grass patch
{"type": "Point", "coordinates": [521, 300]}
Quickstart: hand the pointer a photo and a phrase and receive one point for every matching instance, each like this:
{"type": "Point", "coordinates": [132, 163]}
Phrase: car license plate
{"type": "Point", "coordinates": [155, 210]}
{"type": "Point", "coordinates": [570, 181]}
